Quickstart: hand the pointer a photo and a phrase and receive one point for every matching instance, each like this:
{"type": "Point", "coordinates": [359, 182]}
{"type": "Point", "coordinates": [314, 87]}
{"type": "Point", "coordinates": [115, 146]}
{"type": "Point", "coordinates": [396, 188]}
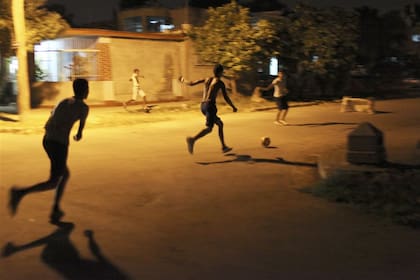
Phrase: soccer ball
{"type": "Point", "coordinates": [265, 141]}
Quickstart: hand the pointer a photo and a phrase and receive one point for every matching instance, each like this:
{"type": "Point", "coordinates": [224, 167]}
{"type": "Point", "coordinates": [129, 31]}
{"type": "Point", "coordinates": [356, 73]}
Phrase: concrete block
{"type": "Point", "coordinates": [365, 145]}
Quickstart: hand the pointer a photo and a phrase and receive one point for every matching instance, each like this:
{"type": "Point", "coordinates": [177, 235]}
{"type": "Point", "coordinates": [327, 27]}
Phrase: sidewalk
{"type": "Point", "coordinates": [102, 114]}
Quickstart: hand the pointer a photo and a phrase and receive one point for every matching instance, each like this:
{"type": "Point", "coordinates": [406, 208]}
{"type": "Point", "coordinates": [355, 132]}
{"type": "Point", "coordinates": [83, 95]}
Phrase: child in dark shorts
{"type": "Point", "coordinates": [208, 107]}
{"type": "Point", "coordinates": [55, 143]}
{"type": "Point", "coordinates": [281, 97]}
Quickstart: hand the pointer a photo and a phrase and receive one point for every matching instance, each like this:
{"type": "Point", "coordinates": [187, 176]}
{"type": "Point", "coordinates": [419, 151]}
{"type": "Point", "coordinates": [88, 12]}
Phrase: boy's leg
{"type": "Point", "coordinates": [128, 102]}
{"type": "Point", "coordinates": [219, 124]}
{"type": "Point", "coordinates": [277, 120]}
{"type": "Point", "coordinates": [144, 99]}
{"type": "Point", "coordinates": [283, 116]}
{"type": "Point", "coordinates": [284, 109]}
{"type": "Point", "coordinates": [133, 97]}
{"type": "Point", "coordinates": [57, 153]}
{"type": "Point", "coordinates": [61, 184]}
{"type": "Point", "coordinates": [278, 103]}
{"type": "Point", "coordinates": [16, 194]}
{"type": "Point", "coordinates": [210, 121]}
{"type": "Point", "coordinates": [209, 127]}
{"type": "Point", "coordinates": [191, 140]}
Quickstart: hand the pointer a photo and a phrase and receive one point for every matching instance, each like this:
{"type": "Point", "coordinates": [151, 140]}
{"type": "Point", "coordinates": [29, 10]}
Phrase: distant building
{"type": "Point", "coordinates": [107, 58]}
{"type": "Point", "coordinates": [159, 19]}
{"type": "Point", "coordinates": [151, 39]}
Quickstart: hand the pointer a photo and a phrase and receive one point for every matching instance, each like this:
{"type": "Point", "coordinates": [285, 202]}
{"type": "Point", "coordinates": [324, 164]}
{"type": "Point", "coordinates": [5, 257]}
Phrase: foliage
{"type": "Point", "coordinates": [61, 9]}
{"type": "Point", "coordinates": [393, 193]}
{"type": "Point", "coordinates": [229, 38]}
{"type": "Point", "coordinates": [319, 43]}
{"type": "Point", "coordinates": [41, 24]}
{"type": "Point", "coordinates": [5, 34]}
{"type": "Point", "coordinates": [39, 74]}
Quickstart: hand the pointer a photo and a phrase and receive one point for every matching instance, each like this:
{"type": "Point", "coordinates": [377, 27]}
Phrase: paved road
{"type": "Point", "coordinates": [153, 211]}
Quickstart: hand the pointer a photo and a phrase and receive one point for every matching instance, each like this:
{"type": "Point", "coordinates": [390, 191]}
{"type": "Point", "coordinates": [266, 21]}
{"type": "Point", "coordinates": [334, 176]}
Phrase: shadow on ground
{"type": "Point", "coordinates": [61, 255]}
{"type": "Point", "coordinates": [7, 119]}
{"type": "Point", "coordinates": [324, 124]}
{"type": "Point", "coordinates": [250, 159]}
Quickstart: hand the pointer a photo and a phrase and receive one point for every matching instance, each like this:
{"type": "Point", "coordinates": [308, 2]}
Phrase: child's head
{"type": "Point", "coordinates": [218, 70]}
{"type": "Point", "coordinates": [136, 70]}
{"type": "Point", "coordinates": [80, 88]}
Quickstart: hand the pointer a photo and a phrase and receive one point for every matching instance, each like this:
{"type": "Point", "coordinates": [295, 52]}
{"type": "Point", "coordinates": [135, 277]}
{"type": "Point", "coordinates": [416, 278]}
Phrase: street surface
{"type": "Point", "coordinates": [153, 211]}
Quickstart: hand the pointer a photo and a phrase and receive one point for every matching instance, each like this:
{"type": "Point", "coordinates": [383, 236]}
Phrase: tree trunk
{"type": "Point", "coordinates": [23, 96]}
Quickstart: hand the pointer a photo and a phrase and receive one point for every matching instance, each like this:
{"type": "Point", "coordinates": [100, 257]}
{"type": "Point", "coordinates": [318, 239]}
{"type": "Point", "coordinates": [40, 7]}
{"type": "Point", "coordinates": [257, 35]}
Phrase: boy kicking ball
{"type": "Point", "coordinates": [212, 86]}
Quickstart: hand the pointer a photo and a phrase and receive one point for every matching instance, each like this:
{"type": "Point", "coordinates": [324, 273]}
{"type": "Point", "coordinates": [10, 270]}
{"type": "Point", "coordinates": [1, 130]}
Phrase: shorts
{"type": "Point", "coordinates": [282, 102]}
{"type": "Point", "coordinates": [137, 91]}
{"type": "Point", "coordinates": [57, 153]}
{"type": "Point", "coordinates": [210, 111]}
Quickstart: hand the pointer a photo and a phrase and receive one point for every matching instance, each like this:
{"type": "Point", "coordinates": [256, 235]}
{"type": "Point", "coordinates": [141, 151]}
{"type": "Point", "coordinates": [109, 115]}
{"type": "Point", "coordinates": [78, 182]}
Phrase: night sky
{"type": "Point", "coordinates": [97, 10]}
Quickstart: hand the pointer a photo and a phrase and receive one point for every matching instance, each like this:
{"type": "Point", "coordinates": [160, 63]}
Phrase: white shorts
{"type": "Point", "coordinates": [137, 91]}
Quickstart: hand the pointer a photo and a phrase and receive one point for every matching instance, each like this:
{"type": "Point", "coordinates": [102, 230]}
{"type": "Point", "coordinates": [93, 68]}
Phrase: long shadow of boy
{"type": "Point", "coordinates": [61, 255]}
{"type": "Point", "coordinates": [250, 159]}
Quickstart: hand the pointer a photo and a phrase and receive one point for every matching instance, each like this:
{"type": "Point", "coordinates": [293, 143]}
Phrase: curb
{"type": "Point", "coordinates": [334, 162]}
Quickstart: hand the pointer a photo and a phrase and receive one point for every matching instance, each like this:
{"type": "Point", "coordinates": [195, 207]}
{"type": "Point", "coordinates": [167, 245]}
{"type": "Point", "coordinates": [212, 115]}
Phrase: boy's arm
{"type": "Point", "coordinates": [270, 86]}
{"type": "Point", "coordinates": [190, 83]}
{"type": "Point", "coordinates": [227, 98]}
{"type": "Point", "coordinates": [82, 123]}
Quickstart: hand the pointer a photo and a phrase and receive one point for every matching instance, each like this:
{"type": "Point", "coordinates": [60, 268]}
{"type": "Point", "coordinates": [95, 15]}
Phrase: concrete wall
{"type": "Point", "coordinates": [160, 62]}
{"type": "Point", "coordinates": [50, 93]}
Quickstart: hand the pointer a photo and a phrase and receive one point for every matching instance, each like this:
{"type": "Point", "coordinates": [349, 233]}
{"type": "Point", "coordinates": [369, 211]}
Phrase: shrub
{"type": "Point", "coordinates": [391, 193]}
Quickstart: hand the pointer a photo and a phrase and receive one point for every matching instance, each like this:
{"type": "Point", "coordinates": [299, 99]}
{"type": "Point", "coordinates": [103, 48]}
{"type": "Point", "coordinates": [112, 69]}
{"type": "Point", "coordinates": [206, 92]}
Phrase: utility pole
{"type": "Point", "coordinates": [23, 96]}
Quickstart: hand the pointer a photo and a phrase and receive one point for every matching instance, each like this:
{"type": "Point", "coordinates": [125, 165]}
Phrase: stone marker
{"type": "Point", "coordinates": [365, 145]}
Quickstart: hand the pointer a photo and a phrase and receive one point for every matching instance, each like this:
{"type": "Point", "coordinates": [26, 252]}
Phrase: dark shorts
{"type": "Point", "coordinates": [210, 111]}
{"type": "Point", "coordinates": [282, 102]}
{"type": "Point", "coordinates": [57, 152]}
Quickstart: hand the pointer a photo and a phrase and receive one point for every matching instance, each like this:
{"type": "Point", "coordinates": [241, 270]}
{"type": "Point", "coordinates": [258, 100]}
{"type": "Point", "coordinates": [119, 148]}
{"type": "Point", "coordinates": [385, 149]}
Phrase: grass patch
{"type": "Point", "coordinates": [392, 193]}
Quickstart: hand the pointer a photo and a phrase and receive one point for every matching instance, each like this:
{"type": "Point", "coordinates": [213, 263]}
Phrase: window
{"type": "Point", "coordinates": [415, 38]}
{"type": "Point", "coordinates": [157, 24]}
{"type": "Point", "coordinates": [57, 64]}
{"type": "Point", "coordinates": [133, 24]}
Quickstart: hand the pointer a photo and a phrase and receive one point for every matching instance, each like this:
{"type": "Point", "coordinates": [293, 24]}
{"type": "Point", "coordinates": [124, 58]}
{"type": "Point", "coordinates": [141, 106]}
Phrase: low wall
{"type": "Point", "coordinates": [50, 93]}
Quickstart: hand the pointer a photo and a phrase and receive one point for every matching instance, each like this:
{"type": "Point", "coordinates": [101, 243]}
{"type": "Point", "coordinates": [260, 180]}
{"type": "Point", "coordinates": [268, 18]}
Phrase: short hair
{"type": "Point", "coordinates": [218, 68]}
{"type": "Point", "coordinates": [80, 88]}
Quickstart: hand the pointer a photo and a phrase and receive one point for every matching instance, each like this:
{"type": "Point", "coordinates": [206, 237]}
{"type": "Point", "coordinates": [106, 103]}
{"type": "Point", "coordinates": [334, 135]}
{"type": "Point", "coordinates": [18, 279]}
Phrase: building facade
{"type": "Point", "coordinates": [107, 59]}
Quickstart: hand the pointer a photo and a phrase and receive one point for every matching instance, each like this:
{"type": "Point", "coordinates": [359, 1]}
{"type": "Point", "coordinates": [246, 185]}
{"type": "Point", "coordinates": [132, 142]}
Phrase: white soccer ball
{"type": "Point", "coordinates": [265, 141]}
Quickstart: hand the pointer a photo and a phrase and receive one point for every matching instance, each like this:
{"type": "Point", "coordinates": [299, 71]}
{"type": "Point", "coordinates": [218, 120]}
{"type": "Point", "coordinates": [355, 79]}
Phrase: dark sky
{"type": "Point", "coordinates": [96, 10]}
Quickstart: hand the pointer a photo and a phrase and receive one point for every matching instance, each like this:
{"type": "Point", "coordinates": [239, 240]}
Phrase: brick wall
{"type": "Point", "coordinates": [104, 62]}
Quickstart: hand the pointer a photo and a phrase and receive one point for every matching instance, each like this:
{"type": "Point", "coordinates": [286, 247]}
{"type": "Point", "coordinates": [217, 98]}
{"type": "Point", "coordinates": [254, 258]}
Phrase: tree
{"type": "Point", "coordinates": [229, 38]}
{"type": "Point", "coordinates": [61, 10]}
{"type": "Point", "coordinates": [5, 31]}
{"type": "Point", "coordinates": [20, 38]}
{"type": "Point", "coordinates": [27, 24]}
{"type": "Point", "coordinates": [321, 44]}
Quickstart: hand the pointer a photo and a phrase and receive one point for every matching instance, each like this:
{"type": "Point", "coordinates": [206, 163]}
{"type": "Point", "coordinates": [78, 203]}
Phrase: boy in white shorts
{"type": "Point", "coordinates": [137, 91]}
